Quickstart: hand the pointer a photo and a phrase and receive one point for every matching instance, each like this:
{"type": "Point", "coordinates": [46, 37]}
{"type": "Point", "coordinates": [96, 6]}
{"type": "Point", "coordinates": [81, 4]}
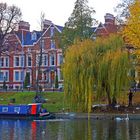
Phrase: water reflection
{"type": "Point", "coordinates": [69, 130]}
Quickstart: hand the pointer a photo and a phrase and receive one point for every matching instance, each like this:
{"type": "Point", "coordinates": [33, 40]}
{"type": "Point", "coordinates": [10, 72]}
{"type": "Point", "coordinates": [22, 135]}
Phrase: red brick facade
{"type": "Point", "coordinates": [107, 28]}
{"type": "Point", "coordinates": [22, 56]}
{"type": "Point", "coordinates": [24, 50]}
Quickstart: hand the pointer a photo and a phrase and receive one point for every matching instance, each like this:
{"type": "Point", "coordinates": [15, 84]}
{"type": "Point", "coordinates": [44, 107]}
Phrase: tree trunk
{"type": "Point", "coordinates": [114, 101]}
{"type": "Point", "coordinates": [39, 70]}
{"type": "Point", "coordinates": [108, 96]}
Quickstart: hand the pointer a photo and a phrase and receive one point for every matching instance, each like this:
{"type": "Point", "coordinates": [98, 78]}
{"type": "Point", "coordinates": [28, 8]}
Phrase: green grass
{"type": "Point", "coordinates": [54, 103]}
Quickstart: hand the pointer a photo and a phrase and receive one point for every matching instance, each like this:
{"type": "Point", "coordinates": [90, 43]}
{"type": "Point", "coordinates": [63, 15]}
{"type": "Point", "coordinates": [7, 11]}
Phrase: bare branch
{"type": "Point", "coordinates": [9, 19]}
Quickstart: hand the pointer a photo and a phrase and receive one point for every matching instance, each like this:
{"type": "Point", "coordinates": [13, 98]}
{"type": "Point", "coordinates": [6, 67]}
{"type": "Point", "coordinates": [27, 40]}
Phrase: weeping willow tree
{"type": "Point", "coordinates": [79, 75]}
{"type": "Point", "coordinates": [112, 75]}
{"type": "Point", "coordinates": [113, 68]}
{"type": "Point", "coordinates": [102, 63]}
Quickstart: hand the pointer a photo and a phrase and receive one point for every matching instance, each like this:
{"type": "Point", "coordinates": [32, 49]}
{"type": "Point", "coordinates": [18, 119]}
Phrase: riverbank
{"type": "Point", "coordinates": [53, 100]}
{"type": "Point", "coordinates": [98, 116]}
{"type": "Point", "coordinates": [55, 103]}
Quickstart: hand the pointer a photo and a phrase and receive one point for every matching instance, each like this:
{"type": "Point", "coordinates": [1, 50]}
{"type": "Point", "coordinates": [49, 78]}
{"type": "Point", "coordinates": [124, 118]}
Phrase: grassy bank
{"type": "Point", "coordinates": [54, 100]}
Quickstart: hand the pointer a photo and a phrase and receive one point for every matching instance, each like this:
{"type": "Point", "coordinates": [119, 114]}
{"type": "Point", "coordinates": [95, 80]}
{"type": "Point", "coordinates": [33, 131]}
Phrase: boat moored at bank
{"type": "Point", "coordinates": [25, 111]}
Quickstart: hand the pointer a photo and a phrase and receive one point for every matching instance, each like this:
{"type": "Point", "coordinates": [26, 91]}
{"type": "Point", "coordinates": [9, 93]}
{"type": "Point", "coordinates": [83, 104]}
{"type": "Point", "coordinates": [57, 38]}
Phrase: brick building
{"type": "Point", "coordinates": [107, 28]}
{"type": "Point", "coordinates": [22, 57]}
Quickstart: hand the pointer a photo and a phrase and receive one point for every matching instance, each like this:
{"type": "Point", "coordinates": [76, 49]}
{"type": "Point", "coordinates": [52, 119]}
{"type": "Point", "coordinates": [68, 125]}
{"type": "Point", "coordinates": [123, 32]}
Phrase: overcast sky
{"type": "Point", "coordinates": [58, 11]}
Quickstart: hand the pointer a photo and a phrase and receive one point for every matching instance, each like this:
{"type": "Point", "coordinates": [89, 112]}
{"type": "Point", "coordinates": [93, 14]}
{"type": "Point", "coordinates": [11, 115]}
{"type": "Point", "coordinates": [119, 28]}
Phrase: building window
{"type": "Point", "coordinates": [45, 60]}
{"type": "Point", "coordinates": [7, 62]}
{"type": "Point", "coordinates": [52, 60]}
{"type": "Point", "coordinates": [42, 43]}
{"type": "Point", "coordinates": [1, 62]}
{"type": "Point", "coordinates": [4, 61]}
{"type": "Point", "coordinates": [16, 62]}
{"type": "Point", "coordinates": [4, 75]}
{"type": "Point", "coordinates": [17, 109]}
{"type": "Point", "coordinates": [52, 31]}
{"type": "Point", "coordinates": [34, 36]}
{"type": "Point", "coordinates": [22, 61]}
{"type": "Point", "coordinates": [38, 57]}
{"type": "Point", "coordinates": [29, 61]}
{"type": "Point", "coordinates": [22, 76]}
{"type": "Point", "coordinates": [60, 59]}
{"type": "Point", "coordinates": [7, 76]}
{"type": "Point", "coordinates": [5, 109]}
{"type": "Point", "coordinates": [52, 44]}
{"type": "Point", "coordinates": [17, 76]}
{"type": "Point", "coordinates": [60, 74]}
{"type": "Point", "coordinates": [1, 76]}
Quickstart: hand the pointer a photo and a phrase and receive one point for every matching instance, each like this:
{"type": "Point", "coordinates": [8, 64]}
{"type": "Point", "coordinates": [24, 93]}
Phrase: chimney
{"type": "Point", "coordinates": [24, 26]}
{"type": "Point", "coordinates": [46, 24]}
{"type": "Point", "coordinates": [109, 19]}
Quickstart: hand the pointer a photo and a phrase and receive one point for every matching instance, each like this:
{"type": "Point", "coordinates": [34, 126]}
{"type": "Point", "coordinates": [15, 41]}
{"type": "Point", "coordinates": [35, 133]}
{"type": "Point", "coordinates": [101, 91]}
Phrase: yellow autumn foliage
{"type": "Point", "coordinates": [131, 31]}
{"type": "Point", "coordinates": [91, 67]}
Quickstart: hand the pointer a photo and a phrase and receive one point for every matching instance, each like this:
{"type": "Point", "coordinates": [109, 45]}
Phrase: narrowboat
{"type": "Point", "coordinates": [32, 111]}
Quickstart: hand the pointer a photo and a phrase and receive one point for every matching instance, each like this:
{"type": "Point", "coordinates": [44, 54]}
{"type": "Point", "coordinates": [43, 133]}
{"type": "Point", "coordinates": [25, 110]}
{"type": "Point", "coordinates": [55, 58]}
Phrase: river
{"type": "Point", "coordinates": [76, 129]}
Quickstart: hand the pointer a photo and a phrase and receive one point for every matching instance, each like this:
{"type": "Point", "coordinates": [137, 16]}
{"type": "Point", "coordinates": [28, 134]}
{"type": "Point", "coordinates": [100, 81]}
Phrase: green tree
{"type": "Point", "coordinates": [4, 84]}
{"type": "Point", "coordinates": [113, 68]}
{"type": "Point", "coordinates": [79, 24]}
{"type": "Point", "coordinates": [56, 81]}
{"type": "Point", "coordinates": [102, 64]}
{"type": "Point", "coordinates": [27, 80]}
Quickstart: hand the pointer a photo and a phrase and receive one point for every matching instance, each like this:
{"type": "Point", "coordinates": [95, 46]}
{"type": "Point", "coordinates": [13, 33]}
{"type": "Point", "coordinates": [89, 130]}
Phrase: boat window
{"type": "Point", "coordinates": [5, 109]}
{"type": "Point", "coordinates": [17, 109]}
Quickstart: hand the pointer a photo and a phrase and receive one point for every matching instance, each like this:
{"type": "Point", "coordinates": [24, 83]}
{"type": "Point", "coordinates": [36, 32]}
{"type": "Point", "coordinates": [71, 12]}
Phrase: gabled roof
{"type": "Point", "coordinates": [27, 38]}
{"type": "Point", "coordinates": [101, 27]}
{"type": "Point", "coordinates": [93, 29]}
{"type": "Point", "coordinates": [59, 27]}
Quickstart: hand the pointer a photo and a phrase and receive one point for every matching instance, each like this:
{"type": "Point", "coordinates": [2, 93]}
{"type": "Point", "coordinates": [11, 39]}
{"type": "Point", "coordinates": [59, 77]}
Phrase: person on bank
{"type": "Point", "coordinates": [130, 97]}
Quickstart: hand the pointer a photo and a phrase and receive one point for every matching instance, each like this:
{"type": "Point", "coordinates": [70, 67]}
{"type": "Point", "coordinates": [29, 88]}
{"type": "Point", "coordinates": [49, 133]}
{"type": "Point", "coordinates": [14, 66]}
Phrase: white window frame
{"type": "Point", "coordinates": [1, 61]}
{"type": "Point", "coordinates": [52, 31]}
{"type": "Point", "coordinates": [19, 75]}
{"type": "Point", "coordinates": [4, 109]}
{"type": "Point", "coordinates": [28, 61]}
{"type": "Point", "coordinates": [37, 60]}
{"type": "Point", "coordinates": [45, 60]}
{"type": "Point", "coordinates": [42, 43]}
{"type": "Point", "coordinates": [59, 59]}
{"type": "Point", "coordinates": [4, 75]}
{"type": "Point", "coordinates": [17, 109]}
{"type": "Point", "coordinates": [53, 44]}
{"type": "Point", "coordinates": [7, 79]}
{"type": "Point", "coordinates": [51, 59]}
{"type": "Point", "coordinates": [60, 78]}
{"type": "Point", "coordinates": [15, 61]}
{"type": "Point", "coordinates": [34, 36]}
{"type": "Point", "coordinates": [7, 61]}
{"type": "Point", "coordinates": [22, 61]}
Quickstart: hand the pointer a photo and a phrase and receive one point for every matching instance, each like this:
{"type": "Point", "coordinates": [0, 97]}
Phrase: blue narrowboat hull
{"type": "Point", "coordinates": [31, 111]}
{"type": "Point", "coordinates": [27, 117]}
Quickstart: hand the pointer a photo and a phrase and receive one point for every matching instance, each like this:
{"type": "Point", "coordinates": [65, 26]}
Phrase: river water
{"type": "Point", "coordinates": [69, 130]}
